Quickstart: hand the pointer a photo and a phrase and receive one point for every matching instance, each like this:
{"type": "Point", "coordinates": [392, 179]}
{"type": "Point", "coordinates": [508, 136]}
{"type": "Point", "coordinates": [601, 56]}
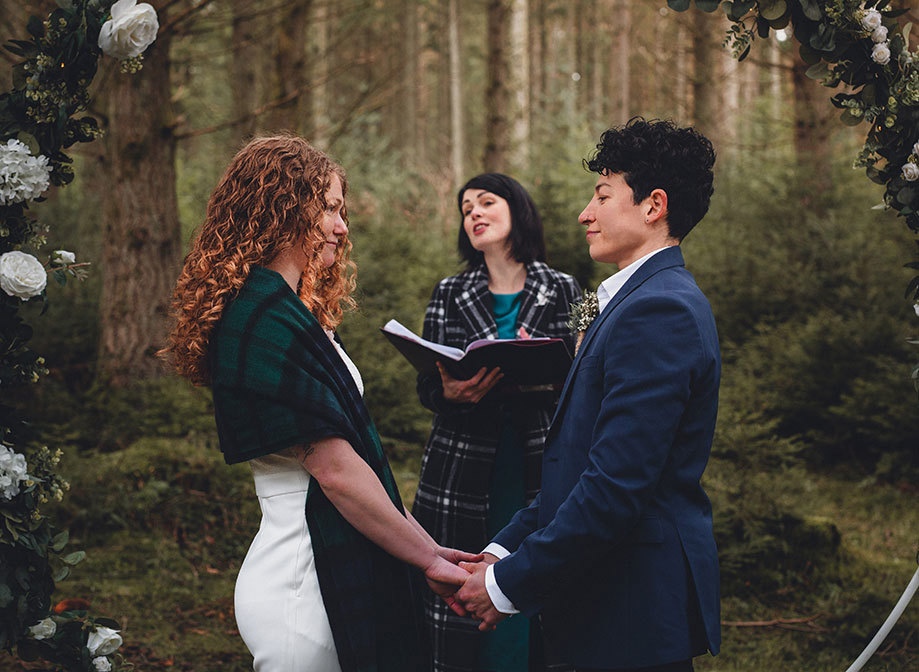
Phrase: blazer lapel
{"type": "Point", "coordinates": [475, 305]}
{"type": "Point", "coordinates": [667, 258]}
{"type": "Point", "coordinates": [537, 297]}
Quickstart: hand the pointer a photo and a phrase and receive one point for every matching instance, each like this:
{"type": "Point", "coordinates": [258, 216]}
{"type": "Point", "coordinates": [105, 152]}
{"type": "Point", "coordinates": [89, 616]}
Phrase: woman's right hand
{"type": "Point", "coordinates": [468, 391]}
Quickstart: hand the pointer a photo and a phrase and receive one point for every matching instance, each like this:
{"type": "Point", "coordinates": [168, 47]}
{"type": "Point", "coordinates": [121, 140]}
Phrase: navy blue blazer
{"type": "Point", "coordinates": [617, 552]}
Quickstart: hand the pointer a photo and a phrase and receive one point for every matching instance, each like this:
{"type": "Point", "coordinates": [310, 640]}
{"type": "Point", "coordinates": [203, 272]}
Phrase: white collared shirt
{"type": "Point", "coordinates": [605, 293]}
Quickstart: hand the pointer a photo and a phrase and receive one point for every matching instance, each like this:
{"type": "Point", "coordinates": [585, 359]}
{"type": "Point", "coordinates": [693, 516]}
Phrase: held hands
{"type": "Point", "coordinates": [444, 575]}
{"type": "Point", "coordinates": [468, 391]}
{"type": "Point", "coordinates": [474, 597]}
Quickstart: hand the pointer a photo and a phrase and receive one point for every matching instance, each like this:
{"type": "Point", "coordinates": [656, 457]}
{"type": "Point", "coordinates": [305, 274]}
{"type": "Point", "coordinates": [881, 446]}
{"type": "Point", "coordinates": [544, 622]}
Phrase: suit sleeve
{"type": "Point", "coordinates": [647, 357]}
{"type": "Point", "coordinates": [521, 525]}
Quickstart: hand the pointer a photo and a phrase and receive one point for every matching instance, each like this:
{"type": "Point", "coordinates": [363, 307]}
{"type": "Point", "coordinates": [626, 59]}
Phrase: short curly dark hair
{"type": "Point", "coordinates": [658, 154]}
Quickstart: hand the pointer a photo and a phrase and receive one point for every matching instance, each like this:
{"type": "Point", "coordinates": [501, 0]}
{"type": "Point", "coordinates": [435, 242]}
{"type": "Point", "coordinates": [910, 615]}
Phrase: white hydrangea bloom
{"type": "Point", "coordinates": [22, 176]}
{"type": "Point", "coordinates": [12, 472]}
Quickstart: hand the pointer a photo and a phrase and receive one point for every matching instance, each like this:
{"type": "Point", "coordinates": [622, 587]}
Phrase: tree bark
{"type": "Point", "coordinates": [290, 68]}
{"type": "Point", "coordinates": [320, 24]}
{"type": "Point", "coordinates": [244, 66]}
{"type": "Point", "coordinates": [141, 252]}
{"type": "Point", "coordinates": [497, 134]}
{"type": "Point", "coordinates": [813, 118]}
{"type": "Point", "coordinates": [407, 110]}
{"type": "Point", "coordinates": [620, 61]}
{"type": "Point", "coordinates": [706, 70]}
{"type": "Point", "coordinates": [457, 140]}
{"type": "Point", "coordinates": [519, 78]}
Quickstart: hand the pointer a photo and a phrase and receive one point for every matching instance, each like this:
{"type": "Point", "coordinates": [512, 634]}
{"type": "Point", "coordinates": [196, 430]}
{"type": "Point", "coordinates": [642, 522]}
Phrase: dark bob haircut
{"type": "Point", "coordinates": [526, 239]}
{"type": "Point", "coordinates": [659, 155]}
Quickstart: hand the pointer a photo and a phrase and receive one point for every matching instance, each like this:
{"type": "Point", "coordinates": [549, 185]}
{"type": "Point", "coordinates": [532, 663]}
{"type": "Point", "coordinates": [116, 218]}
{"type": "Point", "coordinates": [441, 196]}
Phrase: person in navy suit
{"type": "Point", "coordinates": [617, 554]}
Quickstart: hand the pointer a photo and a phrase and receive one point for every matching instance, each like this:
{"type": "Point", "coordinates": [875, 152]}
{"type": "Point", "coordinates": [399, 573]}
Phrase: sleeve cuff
{"type": "Point", "coordinates": [496, 550]}
{"type": "Point", "coordinates": [499, 599]}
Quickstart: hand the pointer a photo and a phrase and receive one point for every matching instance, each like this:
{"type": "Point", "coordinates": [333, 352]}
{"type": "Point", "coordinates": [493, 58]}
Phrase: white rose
{"type": "Point", "coordinates": [910, 172]}
{"type": "Point", "coordinates": [43, 629]}
{"type": "Point", "coordinates": [103, 641]}
{"type": "Point", "coordinates": [64, 256]}
{"type": "Point", "coordinates": [916, 308]}
{"type": "Point", "coordinates": [879, 34]}
{"type": "Point", "coordinates": [871, 19]}
{"type": "Point", "coordinates": [102, 664]}
{"type": "Point", "coordinates": [881, 54]}
{"type": "Point", "coordinates": [130, 31]}
{"type": "Point", "coordinates": [22, 275]}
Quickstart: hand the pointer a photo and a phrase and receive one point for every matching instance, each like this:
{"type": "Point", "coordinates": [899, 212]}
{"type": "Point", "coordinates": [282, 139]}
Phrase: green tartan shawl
{"type": "Point", "coordinates": [278, 382]}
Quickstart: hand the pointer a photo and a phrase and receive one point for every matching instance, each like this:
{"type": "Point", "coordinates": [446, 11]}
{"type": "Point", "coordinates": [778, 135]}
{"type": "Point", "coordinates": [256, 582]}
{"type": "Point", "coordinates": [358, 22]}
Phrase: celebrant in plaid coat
{"type": "Point", "coordinates": [482, 461]}
{"type": "Point", "coordinates": [256, 305]}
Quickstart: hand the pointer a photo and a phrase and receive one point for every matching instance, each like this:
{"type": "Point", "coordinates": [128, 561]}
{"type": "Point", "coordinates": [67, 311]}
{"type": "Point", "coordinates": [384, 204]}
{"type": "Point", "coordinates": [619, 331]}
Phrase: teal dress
{"type": "Point", "coordinates": [507, 648]}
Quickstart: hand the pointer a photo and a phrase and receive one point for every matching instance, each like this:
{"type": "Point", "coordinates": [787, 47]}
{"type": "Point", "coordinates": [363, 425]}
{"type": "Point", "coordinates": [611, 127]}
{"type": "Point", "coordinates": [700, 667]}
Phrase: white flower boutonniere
{"type": "Point", "coordinates": [582, 314]}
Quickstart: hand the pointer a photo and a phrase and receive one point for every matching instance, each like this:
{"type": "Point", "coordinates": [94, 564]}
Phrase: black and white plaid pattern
{"type": "Point", "coordinates": [452, 498]}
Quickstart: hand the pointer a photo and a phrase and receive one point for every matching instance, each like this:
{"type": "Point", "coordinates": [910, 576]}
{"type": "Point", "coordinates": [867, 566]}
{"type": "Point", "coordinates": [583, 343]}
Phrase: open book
{"type": "Point", "coordinates": [524, 361]}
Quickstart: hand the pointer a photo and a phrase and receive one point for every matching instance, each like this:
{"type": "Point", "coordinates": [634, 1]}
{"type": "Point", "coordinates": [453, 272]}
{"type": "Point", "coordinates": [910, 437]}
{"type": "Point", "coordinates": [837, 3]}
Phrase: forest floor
{"type": "Point", "coordinates": [165, 525]}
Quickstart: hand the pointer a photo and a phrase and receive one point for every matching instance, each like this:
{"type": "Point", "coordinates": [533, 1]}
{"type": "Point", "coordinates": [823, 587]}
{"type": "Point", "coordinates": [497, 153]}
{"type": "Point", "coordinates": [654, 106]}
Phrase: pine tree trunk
{"type": "Point", "coordinates": [706, 69]}
{"type": "Point", "coordinates": [407, 110]}
{"type": "Point", "coordinates": [620, 61]}
{"type": "Point", "coordinates": [813, 117]}
{"type": "Point", "coordinates": [497, 131]}
{"type": "Point", "coordinates": [320, 105]}
{"type": "Point", "coordinates": [457, 140]}
{"type": "Point", "coordinates": [519, 78]}
{"type": "Point", "coordinates": [244, 65]}
{"type": "Point", "coordinates": [141, 252]}
{"type": "Point", "coordinates": [290, 68]}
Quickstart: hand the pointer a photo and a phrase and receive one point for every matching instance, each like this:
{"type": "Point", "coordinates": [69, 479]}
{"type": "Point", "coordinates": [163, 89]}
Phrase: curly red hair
{"type": "Point", "coordinates": [271, 198]}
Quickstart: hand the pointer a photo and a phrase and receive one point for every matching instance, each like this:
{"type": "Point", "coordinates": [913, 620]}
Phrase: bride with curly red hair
{"type": "Point", "coordinates": [255, 308]}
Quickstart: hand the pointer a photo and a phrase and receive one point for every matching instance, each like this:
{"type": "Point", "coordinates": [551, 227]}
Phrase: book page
{"type": "Point", "coordinates": [395, 327]}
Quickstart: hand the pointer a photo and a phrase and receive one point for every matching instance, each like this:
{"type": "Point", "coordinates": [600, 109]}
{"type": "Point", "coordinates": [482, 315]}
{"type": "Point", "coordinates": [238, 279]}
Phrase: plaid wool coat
{"type": "Point", "coordinates": [452, 498]}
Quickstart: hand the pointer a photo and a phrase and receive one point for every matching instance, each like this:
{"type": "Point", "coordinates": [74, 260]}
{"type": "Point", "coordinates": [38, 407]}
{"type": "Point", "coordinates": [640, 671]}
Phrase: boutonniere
{"type": "Point", "coordinates": [581, 316]}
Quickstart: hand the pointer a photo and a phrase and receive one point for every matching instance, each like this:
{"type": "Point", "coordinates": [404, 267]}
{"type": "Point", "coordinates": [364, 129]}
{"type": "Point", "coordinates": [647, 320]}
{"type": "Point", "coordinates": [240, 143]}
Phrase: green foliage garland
{"type": "Point", "coordinates": [857, 44]}
{"type": "Point", "coordinates": [40, 117]}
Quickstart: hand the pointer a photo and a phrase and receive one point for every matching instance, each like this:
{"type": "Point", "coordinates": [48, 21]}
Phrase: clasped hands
{"type": "Point", "coordinates": [460, 582]}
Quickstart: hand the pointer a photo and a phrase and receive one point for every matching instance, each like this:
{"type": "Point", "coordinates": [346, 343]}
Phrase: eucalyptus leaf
{"type": "Point", "coordinates": [6, 596]}
{"type": "Point", "coordinates": [906, 195]}
{"type": "Point", "coordinates": [811, 9]}
{"type": "Point", "coordinates": [107, 623]}
{"type": "Point", "coordinates": [808, 55]}
{"type": "Point", "coordinates": [818, 71]}
{"type": "Point", "coordinates": [61, 574]}
{"type": "Point", "coordinates": [912, 287]}
{"type": "Point", "coordinates": [29, 141]}
{"type": "Point", "coordinates": [707, 5]}
{"type": "Point", "coordinates": [74, 558]}
{"type": "Point", "coordinates": [59, 541]}
{"type": "Point", "coordinates": [772, 10]}
{"type": "Point", "coordinates": [679, 5]}
{"type": "Point", "coordinates": [35, 27]}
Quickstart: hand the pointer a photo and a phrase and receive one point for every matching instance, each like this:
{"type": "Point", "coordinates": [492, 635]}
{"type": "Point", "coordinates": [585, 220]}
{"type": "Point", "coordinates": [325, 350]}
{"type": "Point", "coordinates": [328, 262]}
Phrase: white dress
{"type": "Point", "coordinates": [279, 609]}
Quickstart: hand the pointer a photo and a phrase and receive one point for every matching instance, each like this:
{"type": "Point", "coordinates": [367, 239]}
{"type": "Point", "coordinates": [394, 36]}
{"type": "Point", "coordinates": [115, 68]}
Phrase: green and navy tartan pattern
{"type": "Point", "coordinates": [278, 382]}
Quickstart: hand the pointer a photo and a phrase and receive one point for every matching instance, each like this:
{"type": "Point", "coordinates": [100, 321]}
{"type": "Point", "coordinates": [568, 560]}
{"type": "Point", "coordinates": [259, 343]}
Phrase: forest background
{"type": "Point", "coordinates": [814, 467]}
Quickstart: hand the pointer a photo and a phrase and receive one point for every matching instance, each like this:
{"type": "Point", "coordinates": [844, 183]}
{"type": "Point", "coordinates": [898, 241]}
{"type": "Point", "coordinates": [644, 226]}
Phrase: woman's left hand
{"type": "Point", "coordinates": [456, 556]}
